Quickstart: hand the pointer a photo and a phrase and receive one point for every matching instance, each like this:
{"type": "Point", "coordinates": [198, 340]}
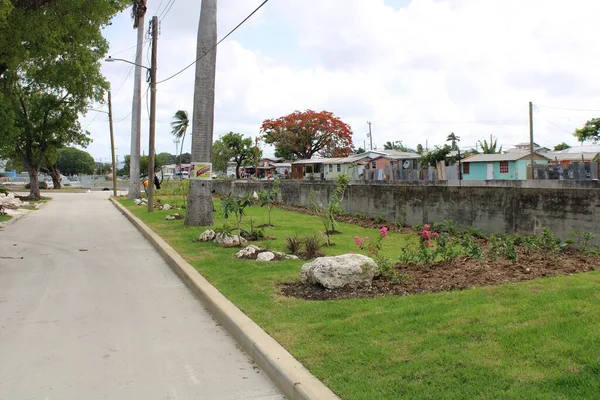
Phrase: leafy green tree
{"type": "Point", "coordinates": [220, 156]}
{"type": "Point", "coordinates": [268, 197]}
{"type": "Point", "coordinates": [420, 149]}
{"type": "Point", "coordinates": [50, 75]}
{"type": "Point", "coordinates": [360, 150]}
{"type": "Point", "coordinates": [241, 149]}
{"type": "Point", "coordinates": [179, 127]}
{"type": "Point", "coordinates": [165, 159]}
{"type": "Point", "coordinates": [185, 158]}
{"type": "Point", "coordinates": [73, 161]}
{"type": "Point", "coordinates": [434, 156]}
{"type": "Point", "coordinates": [590, 131]}
{"type": "Point", "coordinates": [491, 147]}
{"type": "Point", "coordinates": [561, 146]}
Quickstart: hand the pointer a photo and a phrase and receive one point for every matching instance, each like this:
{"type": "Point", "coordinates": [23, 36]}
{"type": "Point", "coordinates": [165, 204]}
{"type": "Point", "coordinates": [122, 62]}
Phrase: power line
{"type": "Point", "coordinates": [219, 42]}
{"type": "Point", "coordinates": [130, 112]}
{"type": "Point", "coordinates": [166, 10]}
{"type": "Point", "coordinates": [568, 109]}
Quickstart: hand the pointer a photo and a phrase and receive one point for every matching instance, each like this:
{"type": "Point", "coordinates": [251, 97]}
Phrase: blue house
{"type": "Point", "coordinates": [508, 166]}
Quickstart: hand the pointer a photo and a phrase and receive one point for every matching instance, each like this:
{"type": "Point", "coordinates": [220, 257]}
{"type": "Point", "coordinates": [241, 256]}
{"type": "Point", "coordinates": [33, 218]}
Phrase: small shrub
{"type": "Point", "coordinates": [476, 233]}
{"type": "Point", "coordinates": [447, 226]}
{"type": "Point", "coordinates": [502, 246]}
{"type": "Point", "coordinates": [293, 244]}
{"type": "Point", "coordinates": [379, 219]}
{"type": "Point", "coordinates": [583, 241]}
{"type": "Point", "coordinates": [252, 233]}
{"type": "Point", "coordinates": [401, 220]}
{"type": "Point", "coordinates": [312, 247]}
{"type": "Point", "coordinates": [548, 242]}
{"type": "Point", "coordinates": [407, 255]}
{"type": "Point", "coordinates": [3, 189]}
{"type": "Point", "coordinates": [470, 248]}
{"type": "Point", "coordinates": [225, 231]}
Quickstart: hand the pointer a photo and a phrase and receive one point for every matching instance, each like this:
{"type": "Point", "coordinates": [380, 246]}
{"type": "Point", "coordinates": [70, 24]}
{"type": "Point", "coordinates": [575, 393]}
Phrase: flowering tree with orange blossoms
{"type": "Point", "coordinates": [305, 133]}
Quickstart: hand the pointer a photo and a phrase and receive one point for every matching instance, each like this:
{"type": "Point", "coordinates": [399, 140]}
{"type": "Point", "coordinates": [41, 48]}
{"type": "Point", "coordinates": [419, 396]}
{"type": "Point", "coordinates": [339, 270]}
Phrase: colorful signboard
{"type": "Point", "coordinates": [201, 171]}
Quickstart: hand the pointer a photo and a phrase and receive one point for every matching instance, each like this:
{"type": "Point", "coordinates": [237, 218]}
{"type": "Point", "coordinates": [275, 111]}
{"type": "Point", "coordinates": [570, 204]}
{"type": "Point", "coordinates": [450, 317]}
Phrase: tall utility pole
{"type": "Point", "coordinates": [370, 134]}
{"type": "Point", "coordinates": [136, 110]}
{"type": "Point", "coordinates": [154, 29]}
{"type": "Point", "coordinates": [531, 150]}
{"type": "Point", "coordinates": [112, 145]}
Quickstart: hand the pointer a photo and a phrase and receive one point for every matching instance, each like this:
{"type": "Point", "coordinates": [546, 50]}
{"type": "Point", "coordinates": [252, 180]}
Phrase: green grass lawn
{"type": "Point", "coordinates": [533, 340]}
{"type": "Point", "coordinates": [4, 218]}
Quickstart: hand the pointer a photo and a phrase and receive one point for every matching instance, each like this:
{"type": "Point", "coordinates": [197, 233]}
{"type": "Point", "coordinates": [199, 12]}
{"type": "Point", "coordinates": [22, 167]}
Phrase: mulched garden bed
{"type": "Point", "coordinates": [456, 275]}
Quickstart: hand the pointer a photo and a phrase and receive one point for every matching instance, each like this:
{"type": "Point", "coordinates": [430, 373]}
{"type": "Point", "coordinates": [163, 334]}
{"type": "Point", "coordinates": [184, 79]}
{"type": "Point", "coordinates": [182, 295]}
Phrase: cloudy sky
{"type": "Point", "coordinates": [417, 69]}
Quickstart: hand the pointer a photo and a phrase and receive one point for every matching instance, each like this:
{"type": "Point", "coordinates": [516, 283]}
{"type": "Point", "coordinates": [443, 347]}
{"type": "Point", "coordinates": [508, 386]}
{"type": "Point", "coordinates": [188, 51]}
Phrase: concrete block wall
{"type": "Point", "coordinates": [499, 209]}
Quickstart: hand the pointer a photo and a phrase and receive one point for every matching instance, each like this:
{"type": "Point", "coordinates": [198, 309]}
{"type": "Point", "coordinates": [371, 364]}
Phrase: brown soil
{"type": "Point", "coordinates": [457, 275]}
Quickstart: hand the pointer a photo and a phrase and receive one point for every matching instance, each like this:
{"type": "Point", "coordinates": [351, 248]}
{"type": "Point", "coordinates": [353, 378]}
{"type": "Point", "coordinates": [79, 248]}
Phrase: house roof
{"type": "Point", "coordinates": [513, 156]}
{"type": "Point", "coordinates": [282, 165]}
{"type": "Point", "coordinates": [560, 156]}
{"type": "Point", "coordinates": [592, 148]}
{"type": "Point", "coordinates": [335, 160]}
{"type": "Point", "coordinates": [399, 155]}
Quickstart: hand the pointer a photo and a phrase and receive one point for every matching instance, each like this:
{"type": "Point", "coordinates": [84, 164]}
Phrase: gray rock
{"type": "Point", "coordinates": [173, 217]}
{"type": "Point", "coordinates": [167, 207]}
{"type": "Point", "coordinates": [266, 256]}
{"type": "Point", "coordinates": [207, 236]}
{"type": "Point", "coordinates": [354, 270]}
{"type": "Point", "coordinates": [291, 257]}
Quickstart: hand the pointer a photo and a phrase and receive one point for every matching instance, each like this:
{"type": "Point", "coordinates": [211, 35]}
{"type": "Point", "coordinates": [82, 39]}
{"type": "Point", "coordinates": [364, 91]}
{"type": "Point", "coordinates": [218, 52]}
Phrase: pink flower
{"type": "Point", "coordinates": [428, 243]}
{"type": "Point", "coordinates": [383, 231]}
{"type": "Point", "coordinates": [358, 240]}
{"type": "Point", "coordinates": [436, 235]}
{"type": "Point", "coordinates": [426, 235]}
{"type": "Point", "coordinates": [427, 227]}
{"type": "Point", "coordinates": [372, 251]}
{"type": "Point", "coordinates": [351, 252]}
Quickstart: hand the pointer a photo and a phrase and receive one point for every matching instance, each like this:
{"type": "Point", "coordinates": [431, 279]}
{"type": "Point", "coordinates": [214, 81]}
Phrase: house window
{"type": "Point", "coordinates": [466, 168]}
{"type": "Point", "coordinates": [374, 165]}
{"type": "Point", "coordinates": [330, 167]}
{"type": "Point", "coordinates": [339, 167]}
{"type": "Point", "coordinates": [504, 167]}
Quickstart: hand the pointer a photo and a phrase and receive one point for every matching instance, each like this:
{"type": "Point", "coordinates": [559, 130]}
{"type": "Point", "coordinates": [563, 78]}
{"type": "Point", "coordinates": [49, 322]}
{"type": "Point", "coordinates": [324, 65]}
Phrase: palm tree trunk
{"type": "Point", "coordinates": [180, 153]}
{"type": "Point", "coordinates": [199, 206]}
{"type": "Point", "coordinates": [136, 118]}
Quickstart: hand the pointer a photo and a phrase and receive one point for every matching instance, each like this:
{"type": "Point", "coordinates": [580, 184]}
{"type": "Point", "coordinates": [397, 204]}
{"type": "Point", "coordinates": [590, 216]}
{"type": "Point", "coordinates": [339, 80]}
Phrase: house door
{"type": "Point", "coordinates": [490, 172]}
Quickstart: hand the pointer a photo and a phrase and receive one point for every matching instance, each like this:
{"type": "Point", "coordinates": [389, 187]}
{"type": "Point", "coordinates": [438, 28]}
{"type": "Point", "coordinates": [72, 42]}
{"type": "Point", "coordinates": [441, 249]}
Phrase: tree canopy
{"type": "Point", "coordinates": [397, 145]}
{"type": "Point", "coordinates": [220, 156]}
{"type": "Point", "coordinates": [303, 134]}
{"type": "Point", "coordinates": [240, 150]}
{"type": "Point", "coordinates": [561, 146]}
{"type": "Point", "coordinates": [50, 75]}
{"type": "Point", "coordinates": [491, 147]}
{"type": "Point", "coordinates": [590, 131]}
{"type": "Point", "coordinates": [71, 161]}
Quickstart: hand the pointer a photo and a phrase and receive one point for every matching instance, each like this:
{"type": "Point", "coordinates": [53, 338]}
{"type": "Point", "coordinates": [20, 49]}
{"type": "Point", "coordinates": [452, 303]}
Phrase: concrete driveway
{"type": "Point", "coordinates": [88, 310]}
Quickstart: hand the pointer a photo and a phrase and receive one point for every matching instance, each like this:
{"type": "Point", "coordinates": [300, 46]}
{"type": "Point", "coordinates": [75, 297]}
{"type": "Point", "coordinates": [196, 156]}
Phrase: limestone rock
{"type": "Point", "coordinates": [291, 257]}
{"type": "Point", "coordinates": [247, 252]}
{"type": "Point", "coordinates": [207, 236]}
{"type": "Point", "coordinates": [265, 256]}
{"type": "Point", "coordinates": [166, 207]}
{"type": "Point", "coordinates": [354, 270]}
{"type": "Point", "coordinates": [173, 217]}
{"type": "Point", "coordinates": [230, 240]}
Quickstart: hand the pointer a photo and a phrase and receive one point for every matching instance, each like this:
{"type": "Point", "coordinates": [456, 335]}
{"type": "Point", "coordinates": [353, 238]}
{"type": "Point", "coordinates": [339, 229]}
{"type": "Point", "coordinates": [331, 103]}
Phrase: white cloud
{"type": "Point", "coordinates": [416, 72]}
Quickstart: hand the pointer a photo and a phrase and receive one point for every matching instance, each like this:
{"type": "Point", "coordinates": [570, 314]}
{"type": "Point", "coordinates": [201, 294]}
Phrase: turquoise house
{"type": "Point", "coordinates": [508, 166]}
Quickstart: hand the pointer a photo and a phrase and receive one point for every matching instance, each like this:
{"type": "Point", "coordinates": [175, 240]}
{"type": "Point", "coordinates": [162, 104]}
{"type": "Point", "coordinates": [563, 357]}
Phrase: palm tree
{"type": "Point", "coordinates": [199, 205]}
{"type": "Point", "coordinates": [454, 139]}
{"type": "Point", "coordinates": [179, 127]}
{"type": "Point", "coordinates": [138, 11]}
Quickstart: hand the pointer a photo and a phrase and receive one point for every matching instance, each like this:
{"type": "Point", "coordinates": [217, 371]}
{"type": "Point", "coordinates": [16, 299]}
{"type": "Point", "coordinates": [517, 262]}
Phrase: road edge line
{"type": "Point", "coordinates": [288, 374]}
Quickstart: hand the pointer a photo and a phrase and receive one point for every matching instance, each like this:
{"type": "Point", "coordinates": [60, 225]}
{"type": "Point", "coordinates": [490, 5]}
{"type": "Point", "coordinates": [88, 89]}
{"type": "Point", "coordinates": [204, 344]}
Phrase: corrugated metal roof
{"type": "Point", "coordinates": [560, 156]}
{"type": "Point", "coordinates": [513, 156]}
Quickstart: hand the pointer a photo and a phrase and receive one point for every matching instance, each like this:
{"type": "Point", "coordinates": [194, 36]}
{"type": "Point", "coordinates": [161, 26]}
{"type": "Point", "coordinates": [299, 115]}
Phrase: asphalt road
{"type": "Point", "coordinates": [88, 310]}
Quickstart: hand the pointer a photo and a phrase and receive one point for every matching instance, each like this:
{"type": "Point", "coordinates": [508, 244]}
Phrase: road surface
{"type": "Point", "coordinates": [88, 310]}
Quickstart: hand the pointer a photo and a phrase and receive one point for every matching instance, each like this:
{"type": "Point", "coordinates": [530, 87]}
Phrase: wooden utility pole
{"type": "Point", "coordinates": [112, 145]}
{"type": "Point", "coordinates": [531, 149]}
{"type": "Point", "coordinates": [154, 29]}
{"type": "Point", "coordinates": [370, 134]}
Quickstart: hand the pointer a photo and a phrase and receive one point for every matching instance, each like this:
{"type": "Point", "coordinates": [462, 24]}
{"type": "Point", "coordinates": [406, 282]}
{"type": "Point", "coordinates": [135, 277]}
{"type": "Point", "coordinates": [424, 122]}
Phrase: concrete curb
{"type": "Point", "coordinates": [295, 381]}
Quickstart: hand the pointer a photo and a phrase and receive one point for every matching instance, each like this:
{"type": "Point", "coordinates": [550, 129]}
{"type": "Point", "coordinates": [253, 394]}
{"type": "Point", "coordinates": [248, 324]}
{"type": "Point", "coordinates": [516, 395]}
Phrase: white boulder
{"type": "Point", "coordinates": [230, 240]}
{"type": "Point", "coordinates": [337, 272]}
{"type": "Point", "coordinates": [207, 236]}
{"type": "Point", "coordinates": [247, 252]}
{"type": "Point", "coordinates": [265, 256]}
{"type": "Point", "coordinates": [166, 207]}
